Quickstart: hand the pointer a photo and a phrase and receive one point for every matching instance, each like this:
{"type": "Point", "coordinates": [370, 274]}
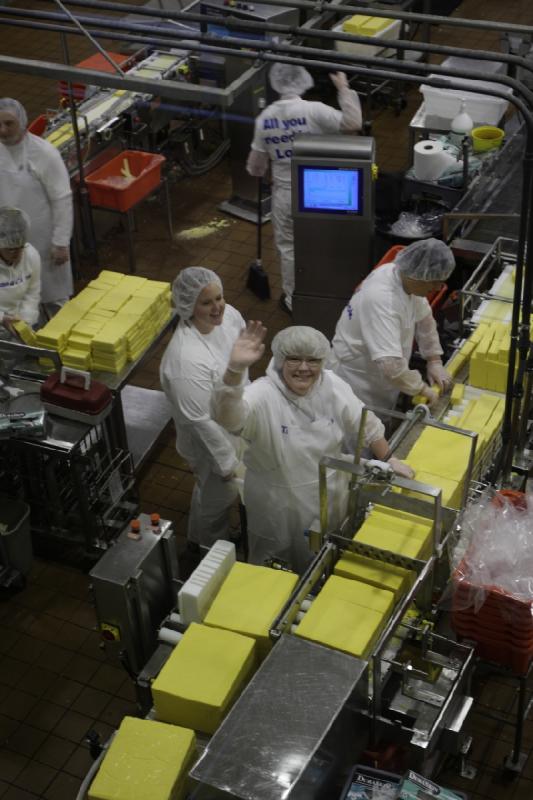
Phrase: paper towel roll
{"type": "Point", "coordinates": [430, 160]}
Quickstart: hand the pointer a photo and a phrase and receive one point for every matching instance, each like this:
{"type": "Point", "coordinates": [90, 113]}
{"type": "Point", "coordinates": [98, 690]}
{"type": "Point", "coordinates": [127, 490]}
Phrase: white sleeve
{"type": "Point", "coordinates": [427, 337]}
{"type": "Point", "coordinates": [192, 398]}
{"type": "Point", "coordinates": [351, 414]}
{"type": "Point", "coordinates": [57, 185]}
{"type": "Point", "coordinates": [257, 142]}
{"type": "Point", "coordinates": [229, 407]}
{"type": "Point", "coordinates": [396, 370]}
{"type": "Point", "coordinates": [29, 308]}
{"type": "Point", "coordinates": [352, 116]}
{"type": "Point", "coordinates": [381, 327]}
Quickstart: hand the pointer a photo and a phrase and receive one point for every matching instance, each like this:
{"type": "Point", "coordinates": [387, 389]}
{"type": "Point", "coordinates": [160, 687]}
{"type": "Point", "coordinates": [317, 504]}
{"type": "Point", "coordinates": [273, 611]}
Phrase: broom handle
{"type": "Point", "coordinates": [259, 218]}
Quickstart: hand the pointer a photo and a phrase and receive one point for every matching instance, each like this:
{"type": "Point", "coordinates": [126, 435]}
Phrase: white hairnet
{"type": "Point", "coordinates": [15, 108]}
{"type": "Point", "coordinates": [290, 79]}
{"type": "Point", "coordinates": [426, 260]}
{"type": "Point", "coordinates": [14, 227]}
{"type": "Point", "coordinates": [188, 285]}
{"type": "Point", "coordinates": [300, 341]}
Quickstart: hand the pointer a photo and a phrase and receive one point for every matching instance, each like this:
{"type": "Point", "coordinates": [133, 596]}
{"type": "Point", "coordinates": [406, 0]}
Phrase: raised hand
{"type": "Point", "coordinates": [339, 80]}
{"type": "Point", "coordinates": [248, 348]}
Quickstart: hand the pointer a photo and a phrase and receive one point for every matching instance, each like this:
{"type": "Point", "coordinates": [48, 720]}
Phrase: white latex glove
{"type": "Point", "coordinates": [339, 80]}
{"type": "Point", "coordinates": [437, 374]}
{"type": "Point", "coordinates": [248, 347]}
{"type": "Point", "coordinates": [60, 255]}
{"type": "Point", "coordinates": [431, 396]}
{"type": "Point", "coordinates": [400, 468]}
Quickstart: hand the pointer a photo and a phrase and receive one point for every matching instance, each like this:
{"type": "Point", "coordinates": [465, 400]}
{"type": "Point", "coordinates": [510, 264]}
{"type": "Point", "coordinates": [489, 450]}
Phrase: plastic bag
{"type": "Point", "coordinates": [416, 226]}
{"type": "Point", "coordinates": [494, 551]}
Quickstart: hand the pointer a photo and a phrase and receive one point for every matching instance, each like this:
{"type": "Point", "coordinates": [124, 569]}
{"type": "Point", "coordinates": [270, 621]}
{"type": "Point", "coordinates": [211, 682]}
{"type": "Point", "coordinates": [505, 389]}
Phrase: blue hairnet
{"type": "Point", "coordinates": [188, 285]}
{"type": "Point", "coordinates": [426, 260]}
{"type": "Point", "coordinates": [14, 227]}
{"type": "Point", "coordinates": [16, 109]}
{"type": "Point", "coordinates": [300, 341]}
{"type": "Point", "coordinates": [290, 79]}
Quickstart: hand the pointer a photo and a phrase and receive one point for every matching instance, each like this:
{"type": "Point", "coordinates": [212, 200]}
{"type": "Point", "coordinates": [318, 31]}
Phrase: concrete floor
{"type": "Point", "coordinates": [55, 684]}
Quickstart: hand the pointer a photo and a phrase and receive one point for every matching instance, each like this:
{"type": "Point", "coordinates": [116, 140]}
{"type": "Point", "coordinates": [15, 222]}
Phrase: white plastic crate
{"type": "Point", "coordinates": [445, 104]}
{"type": "Point", "coordinates": [389, 33]}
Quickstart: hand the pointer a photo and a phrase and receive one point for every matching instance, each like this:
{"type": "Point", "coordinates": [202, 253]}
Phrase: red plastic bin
{"type": "Point", "coordinates": [109, 189]}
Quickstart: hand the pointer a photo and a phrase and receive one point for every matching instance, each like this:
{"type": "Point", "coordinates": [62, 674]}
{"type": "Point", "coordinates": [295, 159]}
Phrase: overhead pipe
{"type": "Point", "coordinates": [281, 47]}
{"type": "Point", "coordinates": [291, 30]}
{"type": "Point", "coordinates": [337, 9]}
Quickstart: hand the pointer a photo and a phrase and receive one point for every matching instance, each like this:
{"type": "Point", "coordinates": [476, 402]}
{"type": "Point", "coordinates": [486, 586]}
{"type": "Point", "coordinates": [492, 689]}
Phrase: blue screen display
{"type": "Point", "coordinates": [331, 189]}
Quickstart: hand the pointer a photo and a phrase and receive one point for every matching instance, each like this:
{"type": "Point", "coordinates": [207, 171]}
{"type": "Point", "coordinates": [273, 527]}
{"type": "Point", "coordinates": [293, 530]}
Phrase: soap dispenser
{"type": "Point", "coordinates": [461, 126]}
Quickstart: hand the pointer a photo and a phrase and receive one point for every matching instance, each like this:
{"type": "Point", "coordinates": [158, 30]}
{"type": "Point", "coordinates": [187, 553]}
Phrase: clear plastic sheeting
{"type": "Point", "coordinates": [275, 730]}
{"type": "Point", "coordinates": [494, 552]}
{"type": "Point", "coordinates": [417, 226]}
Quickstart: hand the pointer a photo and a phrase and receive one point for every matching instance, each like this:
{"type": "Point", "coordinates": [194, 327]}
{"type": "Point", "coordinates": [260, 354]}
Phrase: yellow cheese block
{"type": "Point", "coordinates": [249, 600]}
{"type": "Point", "coordinates": [347, 615]}
{"type": "Point", "coordinates": [109, 277]}
{"type": "Point", "coordinates": [205, 673]}
{"type": "Point", "coordinates": [24, 332]}
{"type": "Point", "coordinates": [401, 521]}
{"type": "Point", "coordinates": [146, 759]}
{"type": "Point", "coordinates": [376, 573]}
{"type": "Point", "coordinates": [451, 490]}
{"type": "Point", "coordinates": [362, 25]}
{"type": "Point", "coordinates": [457, 394]}
{"type": "Point", "coordinates": [398, 542]}
{"type": "Point", "coordinates": [441, 453]}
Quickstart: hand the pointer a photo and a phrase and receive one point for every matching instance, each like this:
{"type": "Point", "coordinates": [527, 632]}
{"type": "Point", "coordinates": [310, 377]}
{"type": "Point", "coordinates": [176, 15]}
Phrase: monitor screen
{"type": "Point", "coordinates": [332, 190]}
{"type": "Point", "coordinates": [220, 29]}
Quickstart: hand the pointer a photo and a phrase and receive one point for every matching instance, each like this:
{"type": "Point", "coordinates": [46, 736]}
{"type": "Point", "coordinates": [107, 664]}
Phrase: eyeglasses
{"type": "Point", "coordinates": [312, 363]}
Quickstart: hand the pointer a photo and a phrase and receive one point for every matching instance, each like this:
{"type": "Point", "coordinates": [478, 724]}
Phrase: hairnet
{"type": "Point", "coordinates": [188, 285]}
{"type": "Point", "coordinates": [290, 79]}
{"type": "Point", "coordinates": [300, 341]}
{"type": "Point", "coordinates": [16, 109]}
{"type": "Point", "coordinates": [14, 227]}
{"type": "Point", "coordinates": [426, 260]}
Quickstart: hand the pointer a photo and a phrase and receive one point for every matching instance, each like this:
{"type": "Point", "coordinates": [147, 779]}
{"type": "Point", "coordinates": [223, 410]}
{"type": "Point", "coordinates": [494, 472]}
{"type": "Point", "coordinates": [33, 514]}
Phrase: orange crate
{"type": "Point", "coordinates": [96, 62]}
{"type": "Point", "coordinates": [110, 189]}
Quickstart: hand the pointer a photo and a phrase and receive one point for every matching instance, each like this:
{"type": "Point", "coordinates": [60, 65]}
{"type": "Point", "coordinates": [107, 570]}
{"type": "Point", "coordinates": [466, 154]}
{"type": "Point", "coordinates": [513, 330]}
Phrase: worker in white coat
{"type": "Point", "coordinates": [194, 359]}
{"type": "Point", "coordinates": [34, 178]}
{"type": "Point", "coordinates": [289, 419]}
{"type": "Point", "coordinates": [374, 337]}
{"type": "Point", "coordinates": [20, 272]}
{"type": "Point", "coordinates": [275, 130]}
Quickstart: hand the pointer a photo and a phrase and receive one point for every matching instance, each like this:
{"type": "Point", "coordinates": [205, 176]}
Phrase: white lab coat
{"type": "Point", "coordinates": [20, 287]}
{"type": "Point", "coordinates": [275, 130]}
{"type": "Point", "coordinates": [378, 322]}
{"type": "Point", "coordinates": [286, 437]}
{"type": "Point", "coordinates": [191, 365]}
{"type": "Point", "coordinates": [34, 178]}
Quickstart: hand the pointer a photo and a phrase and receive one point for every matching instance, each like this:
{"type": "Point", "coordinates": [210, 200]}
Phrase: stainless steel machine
{"type": "Point", "coordinates": [333, 213]}
{"type": "Point", "coordinates": [134, 587]}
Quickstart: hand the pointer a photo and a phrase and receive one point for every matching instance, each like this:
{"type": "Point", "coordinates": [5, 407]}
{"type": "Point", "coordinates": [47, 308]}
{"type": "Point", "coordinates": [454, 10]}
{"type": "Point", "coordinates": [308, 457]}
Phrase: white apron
{"type": "Point", "coordinates": [282, 504]}
{"type": "Point", "coordinates": [22, 188]}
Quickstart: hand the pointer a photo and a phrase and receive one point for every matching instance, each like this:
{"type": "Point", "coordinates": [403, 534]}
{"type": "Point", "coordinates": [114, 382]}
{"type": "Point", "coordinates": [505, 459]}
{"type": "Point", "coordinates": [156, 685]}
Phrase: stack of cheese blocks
{"type": "Point", "coordinates": [499, 310]}
{"type": "Point", "coordinates": [212, 663]}
{"type": "Point", "coordinates": [146, 759]}
{"type": "Point", "coordinates": [356, 602]}
{"type": "Point", "coordinates": [440, 458]}
{"type": "Point", "coordinates": [109, 323]}
{"type": "Point", "coordinates": [479, 412]}
{"type": "Point", "coordinates": [489, 358]}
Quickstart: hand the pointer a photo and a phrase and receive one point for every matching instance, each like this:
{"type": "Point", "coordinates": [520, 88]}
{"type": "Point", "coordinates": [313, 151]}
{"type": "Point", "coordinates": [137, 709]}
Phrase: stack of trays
{"type": "Point", "coordinates": [112, 321]}
{"type": "Point", "coordinates": [502, 628]}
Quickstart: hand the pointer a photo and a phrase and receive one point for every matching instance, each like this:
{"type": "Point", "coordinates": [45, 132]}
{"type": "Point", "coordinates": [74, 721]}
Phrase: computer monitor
{"type": "Point", "coordinates": [330, 190]}
{"type": "Point", "coordinates": [222, 12]}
